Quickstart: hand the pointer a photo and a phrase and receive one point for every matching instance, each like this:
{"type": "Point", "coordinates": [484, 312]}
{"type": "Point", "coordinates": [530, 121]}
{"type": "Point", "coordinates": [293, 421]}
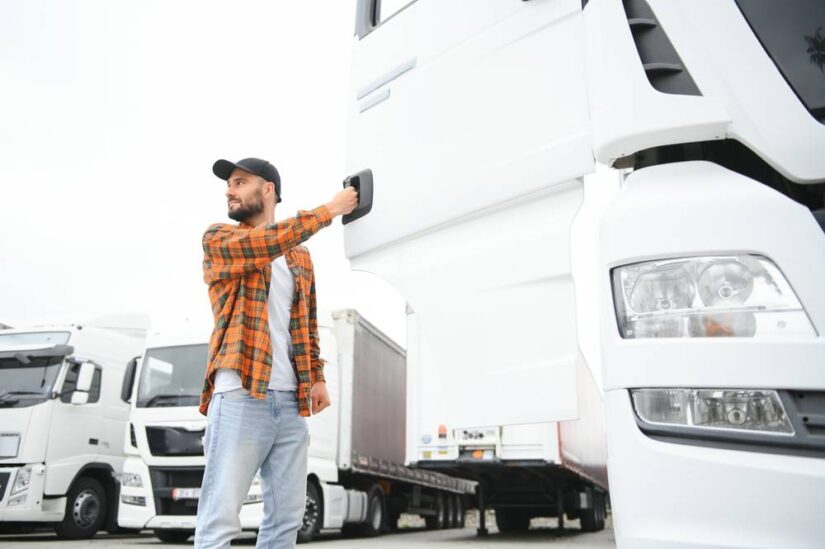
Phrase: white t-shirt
{"type": "Point", "coordinates": [279, 306]}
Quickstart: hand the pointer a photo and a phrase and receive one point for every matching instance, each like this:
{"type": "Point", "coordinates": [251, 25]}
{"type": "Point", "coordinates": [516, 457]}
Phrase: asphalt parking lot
{"type": "Point", "coordinates": [542, 532]}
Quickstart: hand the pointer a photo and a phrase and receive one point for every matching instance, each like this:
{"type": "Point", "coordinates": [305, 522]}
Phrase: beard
{"type": "Point", "coordinates": [245, 211]}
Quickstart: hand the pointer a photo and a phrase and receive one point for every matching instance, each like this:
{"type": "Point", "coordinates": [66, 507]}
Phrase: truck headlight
{"type": "Point", "coordinates": [22, 480]}
{"type": "Point", "coordinates": [730, 409]}
{"type": "Point", "coordinates": [711, 296]}
{"type": "Point", "coordinates": [131, 479]}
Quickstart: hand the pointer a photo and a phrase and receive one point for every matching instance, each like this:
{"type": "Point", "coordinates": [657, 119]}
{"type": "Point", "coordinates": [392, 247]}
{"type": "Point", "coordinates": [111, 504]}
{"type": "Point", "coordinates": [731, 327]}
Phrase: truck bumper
{"type": "Point", "coordinates": [669, 496]}
{"type": "Point", "coordinates": [29, 505]}
{"type": "Point", "coordinates": [131, 515]}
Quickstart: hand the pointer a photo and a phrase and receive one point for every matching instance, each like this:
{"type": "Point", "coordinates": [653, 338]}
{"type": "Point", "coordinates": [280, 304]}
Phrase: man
{"type": "Point", "coordinates": [265, 374]}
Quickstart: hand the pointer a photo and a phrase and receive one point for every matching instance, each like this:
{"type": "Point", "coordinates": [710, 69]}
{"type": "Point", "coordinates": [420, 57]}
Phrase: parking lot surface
{"type": "Point", "coordinates": [543, 532]}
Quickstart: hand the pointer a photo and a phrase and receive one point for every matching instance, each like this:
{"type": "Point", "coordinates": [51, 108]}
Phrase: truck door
{"type": "Point", "coordinates": [76, 433]}
{"type": "Point", "coordinates": [473, 118]}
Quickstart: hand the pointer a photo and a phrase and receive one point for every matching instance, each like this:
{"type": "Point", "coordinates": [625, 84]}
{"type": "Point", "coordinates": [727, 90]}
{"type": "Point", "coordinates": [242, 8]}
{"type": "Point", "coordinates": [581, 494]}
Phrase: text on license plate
{"type": "Point", "coordinates": [185, 493]}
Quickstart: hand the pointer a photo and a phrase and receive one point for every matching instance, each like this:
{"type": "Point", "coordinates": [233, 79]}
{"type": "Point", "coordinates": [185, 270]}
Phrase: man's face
{"type": "Point", "coordinates": [244, 195]}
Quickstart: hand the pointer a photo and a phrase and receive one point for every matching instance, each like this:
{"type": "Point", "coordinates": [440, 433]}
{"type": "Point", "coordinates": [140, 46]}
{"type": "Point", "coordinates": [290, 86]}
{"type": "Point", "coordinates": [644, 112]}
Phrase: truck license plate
{"type": "Point", "coordinates": [185, 493]}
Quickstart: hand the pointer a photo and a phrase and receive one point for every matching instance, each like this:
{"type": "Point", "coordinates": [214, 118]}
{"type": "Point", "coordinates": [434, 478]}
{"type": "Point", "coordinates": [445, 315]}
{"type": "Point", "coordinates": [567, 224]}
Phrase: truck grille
{"type": "Point", "coordinates": [165, 479]}
{"type": "Point", "coordinates": [174, 441]}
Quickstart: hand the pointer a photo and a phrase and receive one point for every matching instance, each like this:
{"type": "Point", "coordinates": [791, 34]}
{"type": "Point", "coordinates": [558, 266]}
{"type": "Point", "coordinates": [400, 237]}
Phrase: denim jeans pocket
{"type": "Point", "coordinates": [236, 394]}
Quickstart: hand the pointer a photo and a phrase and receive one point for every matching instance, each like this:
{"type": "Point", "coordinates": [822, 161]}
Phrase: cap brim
{"type": "Point", "coordinates": [224, 168]}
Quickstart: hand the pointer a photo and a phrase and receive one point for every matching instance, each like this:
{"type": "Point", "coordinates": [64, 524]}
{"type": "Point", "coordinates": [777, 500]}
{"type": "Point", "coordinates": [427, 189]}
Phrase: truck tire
{"type": "Point", "coordinates": [85, 510]}
{"type": "Point", "coordinates": [173, 536]}
{"type": "Point", "coordinates": [450, 509]}
{"type": "Point", "coordinates": [592, 520]}
{"type": "Point", "coordinates": [459, 511]}
{"type": "Point", "coordinates": [438, 520]}
{"type": "Point", "coordinates": [376, 523]}
{"type": "Point", "coordinates": [313, 514]}
{"type": "Point", "coordinates": [512, 520]}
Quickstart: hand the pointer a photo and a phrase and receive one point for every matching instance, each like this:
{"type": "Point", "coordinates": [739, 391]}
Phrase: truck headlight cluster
{"type": "Point", "coordinates": [722, 409]}
{"type": "Point", "coordinates": [131, 479]}
{"type": "Point", "coordinates": [711, 296]}
{"type": "Point", "coordinates": [22, 480]}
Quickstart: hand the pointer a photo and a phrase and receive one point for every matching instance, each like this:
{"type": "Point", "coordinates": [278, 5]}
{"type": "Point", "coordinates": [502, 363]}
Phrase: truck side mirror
{"type": "Point", "coordinates": [362, 182]}
{"type": "Point", "coordinates": [84, 378]}
{"type": "Point", "coordinates": [129, 380]}
{"type": "Point", "coordinates": [80, 397]}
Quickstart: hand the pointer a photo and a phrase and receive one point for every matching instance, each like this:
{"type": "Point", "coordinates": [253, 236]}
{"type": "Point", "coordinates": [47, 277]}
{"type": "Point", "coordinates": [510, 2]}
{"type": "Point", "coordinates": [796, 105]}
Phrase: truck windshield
{"type": "Point", "coordinates": [28, 384]}
{"type": "Point", "coordinates": [793, 34]}
{"type": "Point", "coordinates": [172, 376]}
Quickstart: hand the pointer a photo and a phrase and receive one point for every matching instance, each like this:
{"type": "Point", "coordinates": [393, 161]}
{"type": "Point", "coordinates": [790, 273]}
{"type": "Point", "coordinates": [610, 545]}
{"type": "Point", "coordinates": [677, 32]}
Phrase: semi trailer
{"type": "Point", "coordinates": [607, 217]}
{"type": "Point", "coordinates": [356, 478]}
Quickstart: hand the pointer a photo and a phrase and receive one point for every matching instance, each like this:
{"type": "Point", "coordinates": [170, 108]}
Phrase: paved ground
{"type": "Point", "coordinates": [542, 532]}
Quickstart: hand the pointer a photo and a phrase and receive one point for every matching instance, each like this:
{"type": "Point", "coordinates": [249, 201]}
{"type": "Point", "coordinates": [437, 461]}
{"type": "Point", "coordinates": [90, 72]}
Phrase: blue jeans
{"type": "Point", "coordinates": [245, 434]}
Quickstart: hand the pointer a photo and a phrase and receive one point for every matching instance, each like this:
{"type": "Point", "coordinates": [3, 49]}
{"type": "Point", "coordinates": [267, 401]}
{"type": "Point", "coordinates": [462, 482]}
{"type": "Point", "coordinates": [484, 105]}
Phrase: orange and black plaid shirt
{"type": "Point", "coordinates": [237, 267]}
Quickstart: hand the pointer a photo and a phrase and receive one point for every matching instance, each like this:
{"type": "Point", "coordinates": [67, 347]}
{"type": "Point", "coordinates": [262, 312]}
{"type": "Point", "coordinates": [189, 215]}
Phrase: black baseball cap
{"type": "Point", "coordinates": [256, 166]}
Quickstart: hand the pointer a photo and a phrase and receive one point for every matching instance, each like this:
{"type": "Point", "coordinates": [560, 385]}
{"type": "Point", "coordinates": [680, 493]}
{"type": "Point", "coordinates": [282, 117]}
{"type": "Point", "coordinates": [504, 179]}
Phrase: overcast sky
{"type": "Point", "coordinates": [111, 115]}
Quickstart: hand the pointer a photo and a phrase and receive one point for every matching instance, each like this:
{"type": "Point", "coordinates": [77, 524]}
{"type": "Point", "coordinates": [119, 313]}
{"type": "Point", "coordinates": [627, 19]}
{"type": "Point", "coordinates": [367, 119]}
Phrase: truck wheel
{"type": "Point", "coordinates": [450, 522]}
{"type": "Point", "coordinates": [173, 536]}
{"type": "Point", "coordinates": [313, 514]}
{"type": "Point", "coordinates": [85, 510]}
{"type": "Point", "coordinates": [512, 520]}
{"type": "Point", "coordinates": [592, 520]}
{"type": "Point", "coordinates": [376, 513]}
{"type": "Point", "coordinates": [459, 511]}
{"type": "Point", "coordinates": [438, 520]}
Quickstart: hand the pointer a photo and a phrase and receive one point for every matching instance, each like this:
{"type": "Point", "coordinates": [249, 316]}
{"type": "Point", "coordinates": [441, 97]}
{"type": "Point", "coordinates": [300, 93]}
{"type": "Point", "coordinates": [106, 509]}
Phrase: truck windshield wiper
{"type": "Point", "coordinates": [158, 399]}
{"type": "Point", "coordinates": [6, 401]}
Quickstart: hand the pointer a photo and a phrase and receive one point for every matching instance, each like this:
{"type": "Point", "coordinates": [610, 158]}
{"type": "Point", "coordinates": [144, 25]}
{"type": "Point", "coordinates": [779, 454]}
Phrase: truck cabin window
{"type": "Point", "coordinates": [384, 9]}
{"type": "Point", "coordinates": [71, 382]}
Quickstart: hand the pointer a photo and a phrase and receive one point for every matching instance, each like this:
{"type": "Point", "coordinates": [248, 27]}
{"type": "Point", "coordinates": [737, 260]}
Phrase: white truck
{"type": "Point", "coordinates": [356, 477]}
{"type": "Point", "coordinates": [611, 211]}
{"type": "Point", "coordinates": [61, 426]}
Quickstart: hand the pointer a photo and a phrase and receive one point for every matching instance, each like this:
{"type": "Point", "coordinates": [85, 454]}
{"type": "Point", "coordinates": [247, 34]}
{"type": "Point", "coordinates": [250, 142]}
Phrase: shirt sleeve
{"type": "Point", "coordinates": [231, 252]}
{"type": "Point", "coordinates": [316, 362]}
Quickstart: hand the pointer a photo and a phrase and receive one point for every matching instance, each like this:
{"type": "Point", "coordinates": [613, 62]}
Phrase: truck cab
{"type": "Point", "coordinates": [61, 426]}
{"type": "Point", "coordinates": [614, 209]}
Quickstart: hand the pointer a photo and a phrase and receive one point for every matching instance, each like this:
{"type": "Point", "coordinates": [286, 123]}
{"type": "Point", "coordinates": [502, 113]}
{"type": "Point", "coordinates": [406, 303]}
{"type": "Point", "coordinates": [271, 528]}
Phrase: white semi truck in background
{"type": "Point", "coordinates": [61, 426]}
{"type": "Point", "coordinates": [607, 212]}
{"type": "Point", "coordinates": [356, 477]}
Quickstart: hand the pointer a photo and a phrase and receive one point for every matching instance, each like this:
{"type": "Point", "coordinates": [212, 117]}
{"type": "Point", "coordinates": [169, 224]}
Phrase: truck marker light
{"type": "Point", "coordinates": [710, 296]}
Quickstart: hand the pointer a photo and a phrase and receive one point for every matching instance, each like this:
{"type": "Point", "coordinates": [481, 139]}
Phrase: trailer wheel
{"type": "Point", "coordinates": [451, 521]}
{"type": "Point", "coordinates": [376, 523]}
{"type": "Point", "coordinates": [173, 536]}
{"type": "Point", "coordinates": [512, 520]}
{"type": "Point", "coordinates": [459, 511]}
{"type": "Point", "coordinates": [592, 520]}
{"type": "Point", "coordinates": [438, 520]}
{"type": "Point", "coordinates": [85, 510]}
{"type": "Point", "coordinates": [313, 514]}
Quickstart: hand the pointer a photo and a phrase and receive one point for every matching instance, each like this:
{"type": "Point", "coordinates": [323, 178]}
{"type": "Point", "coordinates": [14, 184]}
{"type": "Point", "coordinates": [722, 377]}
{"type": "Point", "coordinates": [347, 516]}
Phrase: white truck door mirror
{"type": "Point", "coordinates": [80, 397]}
{"type": "Point", "coordinates": [84, 378]}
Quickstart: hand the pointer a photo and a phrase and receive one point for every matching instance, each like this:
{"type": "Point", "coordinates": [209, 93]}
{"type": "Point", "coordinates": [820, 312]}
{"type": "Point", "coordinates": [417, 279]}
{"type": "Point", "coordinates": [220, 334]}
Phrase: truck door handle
{"type": "Point", "coordinates": [361, 182]}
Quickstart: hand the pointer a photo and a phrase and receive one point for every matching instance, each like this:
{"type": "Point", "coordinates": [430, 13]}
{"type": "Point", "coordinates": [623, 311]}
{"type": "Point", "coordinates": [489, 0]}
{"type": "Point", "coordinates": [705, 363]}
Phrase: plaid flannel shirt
{"type": "Point", "coordinates": [237, 268]}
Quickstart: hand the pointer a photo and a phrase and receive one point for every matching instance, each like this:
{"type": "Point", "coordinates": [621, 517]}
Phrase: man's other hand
{"type": "Point", "coordinates": [319, 397]}
{"type": "Point", "coordinates": [343, 202]}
